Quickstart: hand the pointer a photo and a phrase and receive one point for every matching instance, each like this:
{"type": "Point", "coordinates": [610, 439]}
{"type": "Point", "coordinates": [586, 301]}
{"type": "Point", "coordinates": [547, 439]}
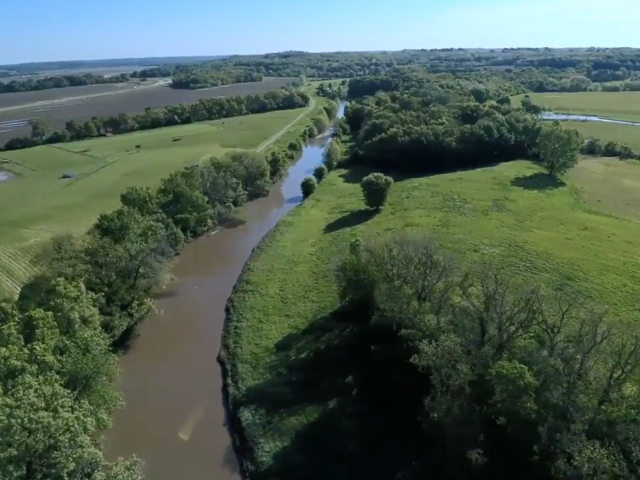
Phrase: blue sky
{"type": "Point", "coordinates": [41, 30]}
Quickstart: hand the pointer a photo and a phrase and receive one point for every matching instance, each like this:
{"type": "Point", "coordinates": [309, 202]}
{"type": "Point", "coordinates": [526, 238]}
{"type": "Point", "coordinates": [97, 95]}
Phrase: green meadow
{"type": "Point", "coordinates": [36, 202]}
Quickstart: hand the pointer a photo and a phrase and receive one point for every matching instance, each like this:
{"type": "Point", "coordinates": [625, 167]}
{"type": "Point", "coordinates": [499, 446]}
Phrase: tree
{"type": "Point", "coordinates": [321, 123]}
{"type": "Point", "coordinates": [39, 128]}
{"type": "Point", "coordinates": [320, 172]}
{"type": "Point", "coordinates": [331, 155]}
{"type": "Point", "coordinates": [559, 149]}
{"type": "Point", "coordinates": [375, 189]}
{"type": "Point", "coordinates": [308, 186]}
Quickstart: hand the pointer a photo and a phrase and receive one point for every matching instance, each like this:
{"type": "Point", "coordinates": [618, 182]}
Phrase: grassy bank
{"type": "Point", "coordinates": [615, 105]}
{"type": "Point", "coordinates": [579, 235]}
{"type": "Point", "coordinates": [36, 202]}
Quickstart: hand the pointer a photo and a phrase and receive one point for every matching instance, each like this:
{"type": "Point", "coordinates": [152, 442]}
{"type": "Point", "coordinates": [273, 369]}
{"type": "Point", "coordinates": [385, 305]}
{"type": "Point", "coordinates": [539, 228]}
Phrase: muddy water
{"type": "Point", "coordinates": [174, 417]}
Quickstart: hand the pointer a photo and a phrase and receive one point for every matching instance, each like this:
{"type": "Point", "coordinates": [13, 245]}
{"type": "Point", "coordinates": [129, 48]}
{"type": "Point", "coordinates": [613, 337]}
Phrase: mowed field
{"type": "Point", "coordinates": [580, 236]}
{"type": "Point", "coordinates": [623, 134]}
{"type": "Point", "coordinates": [36, 203]}
{"type": "Point", "coordinates": [60, 105]}
{"type": "Point", "coordinates": [613, 105]}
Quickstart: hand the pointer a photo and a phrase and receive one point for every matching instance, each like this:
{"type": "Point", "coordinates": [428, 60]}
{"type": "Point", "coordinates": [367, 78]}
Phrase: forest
{"type": "Point", "coordinates": [61, 81]}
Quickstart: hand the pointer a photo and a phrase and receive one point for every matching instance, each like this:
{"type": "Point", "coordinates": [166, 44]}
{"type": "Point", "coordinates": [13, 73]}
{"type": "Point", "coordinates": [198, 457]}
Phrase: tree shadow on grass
{"type": "Point", "coordinates": [369, 398]}
{"type": "Point", "coordinates": [351, 219]}
{"type": "Point", "coordinates": [538, 181]}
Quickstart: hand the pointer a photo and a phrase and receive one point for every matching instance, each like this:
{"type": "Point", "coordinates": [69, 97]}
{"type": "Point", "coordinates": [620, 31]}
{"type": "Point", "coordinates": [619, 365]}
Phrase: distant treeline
{"type": "Point", "coordinates": [194, 77]}
{"type": "Point", "coordinates": [203, 110]}
{"type": "Point", "coordinates": [58, 338]}
{"type": "Point", "coordinates": [61, 81]}
{"type": "Point", "coordinates": [36, 67]}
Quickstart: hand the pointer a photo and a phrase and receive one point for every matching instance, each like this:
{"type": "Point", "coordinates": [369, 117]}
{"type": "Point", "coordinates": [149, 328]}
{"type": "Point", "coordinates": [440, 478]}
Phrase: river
{"type": "Point", "coordinates": [583, 118]}
{"type": "Point", "coordinates": [174, 417]}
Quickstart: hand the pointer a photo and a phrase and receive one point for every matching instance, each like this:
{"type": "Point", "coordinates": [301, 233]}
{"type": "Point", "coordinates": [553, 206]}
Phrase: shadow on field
{"type": "Point", "coordinates": [351, 219]}
{"type": "Point", "coordinates": [538, 181]}
{"type": "Point", "coordinates": [370, 399]}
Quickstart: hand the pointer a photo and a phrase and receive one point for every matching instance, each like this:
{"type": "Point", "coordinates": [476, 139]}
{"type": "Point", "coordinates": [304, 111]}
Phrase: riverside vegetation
{"type": "Point", "coordinates": [60, 336]}
{"type": "Point", "coordinates": [461, 330]}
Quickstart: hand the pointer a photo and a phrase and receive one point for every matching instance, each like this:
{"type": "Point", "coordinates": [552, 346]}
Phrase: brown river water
{"type": "Point", "coordinates": [174, 417]}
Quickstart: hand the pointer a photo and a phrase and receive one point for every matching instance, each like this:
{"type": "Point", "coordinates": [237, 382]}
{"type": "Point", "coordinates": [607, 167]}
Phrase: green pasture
{"type": "Point", "coordinates": [579, 236]}
{"type": "Point", "coordinates": [613, 105]}
{"type": "Point", "coordinates": [623, 134]}
{"type": "Point", "coordinates": [37, 202]}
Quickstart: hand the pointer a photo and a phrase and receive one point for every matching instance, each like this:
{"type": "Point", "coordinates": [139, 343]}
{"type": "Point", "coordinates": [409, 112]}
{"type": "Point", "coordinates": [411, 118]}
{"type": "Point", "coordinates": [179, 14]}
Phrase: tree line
{"type": "Point", "coordinates": [60, 81]}
{"type": "Point", "coordinates": [203, 110]}
{"type": "Point", "coordinates": [476, 374]}
{"type": "Point", "coordinates": [60, 337]}
{"type": "Point", "coordinates": [437, 124]}
{"type": "Point", "coordinates": [203, 78]}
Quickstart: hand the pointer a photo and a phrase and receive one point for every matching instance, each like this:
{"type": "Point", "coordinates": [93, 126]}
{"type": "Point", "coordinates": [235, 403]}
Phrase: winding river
{"type": "Point", "coordinates": [174, 417]}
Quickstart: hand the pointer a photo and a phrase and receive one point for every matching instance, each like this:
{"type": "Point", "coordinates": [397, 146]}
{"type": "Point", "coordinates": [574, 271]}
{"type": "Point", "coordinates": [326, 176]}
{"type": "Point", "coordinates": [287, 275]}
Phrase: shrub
{"type": "Point", "coordinates": [331, 155]}
{"type": "Point", "coordinates": [321, 123]}
{"type": "Point", "coordinates": [308, 186]}
{"type": "Point", "coordinates": [375, 189]}
{"type": "Point", "coordinates": [311, 132]}
{"type": "Point", "coordinates": [320, 172]}
{"type": "Point", "coordinates": [592, 146]}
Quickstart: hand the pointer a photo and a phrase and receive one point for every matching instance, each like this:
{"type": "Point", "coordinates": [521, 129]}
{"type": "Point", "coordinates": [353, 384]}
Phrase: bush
{"type": "Point", "coordinates": [320, 172]}
{"type": "Point", "coordinates": [308, 186]}
{"type": "Point", "coordinates": [331, 155]}
{"type": "Point", "coordinates": [592, 146]}
{"type": "Point", "coordinates": [321, 123]}
{"type": "Point", "coordinates": [311, 132]}
{"type": "Point", "coordinates": [375, 188]}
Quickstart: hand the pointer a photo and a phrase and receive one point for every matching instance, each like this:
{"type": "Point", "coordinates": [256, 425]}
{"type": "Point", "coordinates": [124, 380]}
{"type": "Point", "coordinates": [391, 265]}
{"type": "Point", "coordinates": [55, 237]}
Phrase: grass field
{"type": "Point", "coordinates": [615, 105]}
{"type": "Point", "coordinates": [623, 134]}
{"type": "Point", "coordinates": [581, 235]}
{"type": "Point", "coordinates": [36, 202]}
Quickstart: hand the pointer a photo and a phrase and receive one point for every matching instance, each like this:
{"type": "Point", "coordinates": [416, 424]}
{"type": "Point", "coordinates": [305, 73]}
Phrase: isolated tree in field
{"type": "Point", "coordinates": [308, 186]}
{"type": "Point", "coordinates": [39, 128]}
{"type": "Point", "coordinates": [375, 188]}
{"type": "Point", "coordinates": [559, 149]}
{"type": "Point", "coordinates": [331, 155]}
{"type": "Point", "coordinates": [320, 172]}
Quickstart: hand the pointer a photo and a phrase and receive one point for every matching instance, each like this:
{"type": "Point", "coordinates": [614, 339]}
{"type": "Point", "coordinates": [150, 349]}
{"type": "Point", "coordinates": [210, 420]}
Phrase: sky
{"type": "Point", "coordinates": [42, 30]}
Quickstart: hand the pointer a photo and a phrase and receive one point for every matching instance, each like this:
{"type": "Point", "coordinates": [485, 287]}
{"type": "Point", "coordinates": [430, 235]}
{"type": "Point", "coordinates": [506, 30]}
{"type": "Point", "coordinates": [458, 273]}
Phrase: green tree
{"type": "Point", "coordinates": [39, 128]}
{"type": "Point", "coordinates": [375, 189]}
{"type": "Point", "coordinates": [320, 172]}
{"type": "Point", "coordinates": [308, 186]}
{"type": "Point", "coordinates": [559, 149]}
{"type": "Point", "coordinates": [321, 123]}
{"type": "Point", "coordinates": [331, 155]}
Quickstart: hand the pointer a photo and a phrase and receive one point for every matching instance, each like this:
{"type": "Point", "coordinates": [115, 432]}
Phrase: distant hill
{"type": "Point", "coordinates": [36, 67]}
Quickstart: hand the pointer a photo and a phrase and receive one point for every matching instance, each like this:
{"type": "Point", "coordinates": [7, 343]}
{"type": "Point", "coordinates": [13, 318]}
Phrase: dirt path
{"type": "Point", "coordinates": [285, 129]}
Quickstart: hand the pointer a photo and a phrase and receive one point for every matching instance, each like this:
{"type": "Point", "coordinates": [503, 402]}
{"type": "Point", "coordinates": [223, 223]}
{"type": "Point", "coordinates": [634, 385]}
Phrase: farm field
{"type": "Point", "coordinates": [36, 203]}
{"type": "Point", "coordinates": [623, 134]}
{"type": "Point", "coordinates": [581, 236]}
{"type": "Point", "coordinates": [107, 71]}
{"type": "Point", "coordinates": [111, 100]}
{"type": "Point", "coordinates": [614, 105]}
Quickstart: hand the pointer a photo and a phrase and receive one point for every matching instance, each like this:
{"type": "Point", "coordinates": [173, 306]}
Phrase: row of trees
{"type": "Point", "coordinates": [58, 337]}
{"type": "Point", "coordinates": [203, 110]}
{"type": "Point", "coordinates": [480, 375]}
{"type": "Point", "coordinates": [204, 78]}
{"type": "Point", "coordinates": [60, 81]}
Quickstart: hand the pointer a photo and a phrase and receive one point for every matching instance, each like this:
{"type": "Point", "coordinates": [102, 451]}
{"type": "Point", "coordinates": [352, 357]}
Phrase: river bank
{"type": "Point", "coordinates": [583, 118]}
{"type": "Point", "coordinates": [175, 417]}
